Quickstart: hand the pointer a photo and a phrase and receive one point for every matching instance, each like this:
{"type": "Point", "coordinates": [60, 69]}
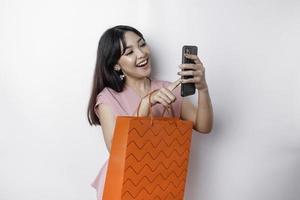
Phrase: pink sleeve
{"type": "Point", "coordinates": [104, 98]}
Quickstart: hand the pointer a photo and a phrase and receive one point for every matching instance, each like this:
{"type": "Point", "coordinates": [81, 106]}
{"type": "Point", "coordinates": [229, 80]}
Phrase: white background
{"type": "Point", "coordinates": [250, 50]}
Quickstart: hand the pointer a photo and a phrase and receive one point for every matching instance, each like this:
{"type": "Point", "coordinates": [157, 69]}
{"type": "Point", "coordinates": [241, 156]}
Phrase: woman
{"type": "Point", "coordinates": [122, 79]}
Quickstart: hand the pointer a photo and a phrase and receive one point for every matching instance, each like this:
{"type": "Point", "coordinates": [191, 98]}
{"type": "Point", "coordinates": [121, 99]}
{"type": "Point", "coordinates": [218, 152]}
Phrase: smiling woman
{"type": "Point", "coordinates": [134, 61]}
{"type": "Point", "coordinates": [122, 80]}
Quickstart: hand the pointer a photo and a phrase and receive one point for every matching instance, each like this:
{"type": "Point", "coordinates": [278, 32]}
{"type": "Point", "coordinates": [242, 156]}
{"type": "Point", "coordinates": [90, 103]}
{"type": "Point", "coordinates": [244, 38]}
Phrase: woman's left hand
{"type": "Point", "coordinates": [196, 70]}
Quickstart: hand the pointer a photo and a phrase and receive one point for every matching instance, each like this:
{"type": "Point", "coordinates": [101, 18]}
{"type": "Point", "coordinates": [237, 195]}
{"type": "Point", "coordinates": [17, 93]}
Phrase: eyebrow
{"type": "Point", "coordinates": [127, 47]}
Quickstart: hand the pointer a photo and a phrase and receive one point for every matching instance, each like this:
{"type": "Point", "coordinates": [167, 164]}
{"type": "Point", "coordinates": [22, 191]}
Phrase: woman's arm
{"type": "Point", "coordinates": [202, 115]}
{"type": "Point", "coordinates": [107, 120]}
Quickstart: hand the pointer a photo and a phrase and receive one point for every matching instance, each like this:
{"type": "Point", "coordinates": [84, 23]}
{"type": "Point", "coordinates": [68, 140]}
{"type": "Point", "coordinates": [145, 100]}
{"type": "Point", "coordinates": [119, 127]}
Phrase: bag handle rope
{"type": "Point", "coordinates": [150, 107]}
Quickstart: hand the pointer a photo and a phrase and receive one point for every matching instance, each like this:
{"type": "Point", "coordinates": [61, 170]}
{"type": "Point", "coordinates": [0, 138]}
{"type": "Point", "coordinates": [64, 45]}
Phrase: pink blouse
{"type": "Point", "coordinates": [126, 103]}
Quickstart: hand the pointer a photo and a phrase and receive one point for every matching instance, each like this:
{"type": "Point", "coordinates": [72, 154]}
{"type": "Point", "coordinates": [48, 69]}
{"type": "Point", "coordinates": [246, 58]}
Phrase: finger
{"type": "Point", "coordinates": [168, 94]}
{"type": "Point", "coordinates": [187, 66]}
{"type": "Point", "coordinates": [191, 80]}
{"type": "Point", "coordinates": [162, 101]}
{"type": "Point", "coordinates": [153, 98]}
{"type": "Point", "coordinates": [190, 73]}
{"type": "Point", "coordinates": [166, 97]}
{"type": "Point", "coordinates": [193, 57]}
{"type": "Point", "coordinates": [173, 85]}
{"type": "Point", "coordinates": [191, 66]}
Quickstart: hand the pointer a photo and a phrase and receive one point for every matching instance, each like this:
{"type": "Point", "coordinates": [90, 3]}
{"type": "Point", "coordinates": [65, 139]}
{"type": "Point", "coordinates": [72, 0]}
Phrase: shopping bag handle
{"type": "Point", "coordinates": [150, 106]}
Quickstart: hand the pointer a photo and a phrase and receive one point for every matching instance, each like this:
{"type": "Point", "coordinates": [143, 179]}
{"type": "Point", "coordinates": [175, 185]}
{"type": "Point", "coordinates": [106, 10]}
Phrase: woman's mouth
{"type": "Point", "coordinates": [142, 64]}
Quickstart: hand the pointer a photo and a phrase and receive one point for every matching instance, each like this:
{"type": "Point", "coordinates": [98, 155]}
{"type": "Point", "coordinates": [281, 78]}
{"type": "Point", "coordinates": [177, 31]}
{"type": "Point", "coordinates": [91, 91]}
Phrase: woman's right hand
{"type": "Point", "coordinates": [164, 95]}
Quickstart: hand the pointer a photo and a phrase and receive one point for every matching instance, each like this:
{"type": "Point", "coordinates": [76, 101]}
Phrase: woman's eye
{"type": "Point", "coordinates": [142, 45]}
{"type": "Point", "coordinates": [129, 53]}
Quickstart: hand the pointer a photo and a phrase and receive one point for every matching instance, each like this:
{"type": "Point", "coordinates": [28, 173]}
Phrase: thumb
{"type": "Point", "coordinates": [173, 85]}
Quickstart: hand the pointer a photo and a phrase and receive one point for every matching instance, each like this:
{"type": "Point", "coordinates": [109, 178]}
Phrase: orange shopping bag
{"type": "Point", "coordinates": [149, 158]}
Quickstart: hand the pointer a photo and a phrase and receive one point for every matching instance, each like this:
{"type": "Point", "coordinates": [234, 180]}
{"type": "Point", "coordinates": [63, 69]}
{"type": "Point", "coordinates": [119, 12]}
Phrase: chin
{"type": "Point", "coordinates": [148, 71]}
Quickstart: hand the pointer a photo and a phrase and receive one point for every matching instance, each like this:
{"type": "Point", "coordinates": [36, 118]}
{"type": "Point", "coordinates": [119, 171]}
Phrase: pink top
{"type": "Point", "coordinates": [126, 103]}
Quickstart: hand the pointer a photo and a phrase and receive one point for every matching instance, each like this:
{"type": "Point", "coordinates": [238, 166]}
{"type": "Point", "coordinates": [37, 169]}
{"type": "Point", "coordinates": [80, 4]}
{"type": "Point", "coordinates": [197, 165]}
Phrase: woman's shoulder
{"type": "Point", "coordinates": [103, 93]}
{"type": "Point", "coordinates": [107, 95]}
{"type": "Point", "coordinates": [108, 92]}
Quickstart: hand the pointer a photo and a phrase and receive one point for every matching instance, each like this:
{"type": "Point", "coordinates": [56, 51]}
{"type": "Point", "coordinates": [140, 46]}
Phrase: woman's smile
{"type": "Point", "coordinates": [144, 64]}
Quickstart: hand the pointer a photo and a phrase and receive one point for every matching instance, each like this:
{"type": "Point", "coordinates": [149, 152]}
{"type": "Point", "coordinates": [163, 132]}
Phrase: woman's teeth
{"type": "Point", "coordinates": [143, 63]}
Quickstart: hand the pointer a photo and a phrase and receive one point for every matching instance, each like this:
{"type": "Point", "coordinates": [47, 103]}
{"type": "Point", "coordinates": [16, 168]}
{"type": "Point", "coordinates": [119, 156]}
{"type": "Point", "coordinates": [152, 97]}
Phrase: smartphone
{"type": "Point", "coordinates": [188, 88]}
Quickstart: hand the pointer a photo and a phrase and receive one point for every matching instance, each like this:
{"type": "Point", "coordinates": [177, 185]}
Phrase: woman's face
{"type": "Point", "coordinates": [135, 61]}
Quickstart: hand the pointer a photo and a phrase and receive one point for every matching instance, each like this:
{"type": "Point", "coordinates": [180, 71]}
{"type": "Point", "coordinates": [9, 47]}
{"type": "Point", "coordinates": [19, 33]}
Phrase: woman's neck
{"type": "Point", "coordinates": [141, 86]}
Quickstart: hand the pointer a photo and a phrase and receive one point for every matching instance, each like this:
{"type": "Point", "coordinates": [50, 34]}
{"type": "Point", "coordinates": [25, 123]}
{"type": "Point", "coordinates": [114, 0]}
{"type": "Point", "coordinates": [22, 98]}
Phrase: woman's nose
{"type": "Point", "coordinates": [140, 53]}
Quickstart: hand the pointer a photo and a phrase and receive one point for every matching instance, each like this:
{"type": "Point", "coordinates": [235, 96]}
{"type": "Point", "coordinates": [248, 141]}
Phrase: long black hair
{"type": "Point", "coordinates": [108, 54]}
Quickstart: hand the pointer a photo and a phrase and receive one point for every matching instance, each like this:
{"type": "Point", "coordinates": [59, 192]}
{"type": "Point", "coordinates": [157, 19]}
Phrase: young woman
{"type": "Point", "coordinates": [122, 80]}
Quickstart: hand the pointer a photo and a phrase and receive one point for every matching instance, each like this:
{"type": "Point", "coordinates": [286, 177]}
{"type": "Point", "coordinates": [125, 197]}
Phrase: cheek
{"type": "Point", "coordinates": [147, 50]}
{"type": "Point", "coordinates": [127, 62]}
{"type": "Point", "coordinates": [131, 61]}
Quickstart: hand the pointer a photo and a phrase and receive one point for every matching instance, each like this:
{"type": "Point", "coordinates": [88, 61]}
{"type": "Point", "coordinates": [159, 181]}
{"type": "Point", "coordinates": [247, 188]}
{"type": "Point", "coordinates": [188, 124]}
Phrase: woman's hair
{"type": "Point", "coordinates": [108, 54]}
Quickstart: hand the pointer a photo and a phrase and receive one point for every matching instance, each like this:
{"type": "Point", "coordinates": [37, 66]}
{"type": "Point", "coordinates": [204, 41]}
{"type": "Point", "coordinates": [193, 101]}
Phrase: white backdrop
{"type": "Point", "coordinates": [249, 49]}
